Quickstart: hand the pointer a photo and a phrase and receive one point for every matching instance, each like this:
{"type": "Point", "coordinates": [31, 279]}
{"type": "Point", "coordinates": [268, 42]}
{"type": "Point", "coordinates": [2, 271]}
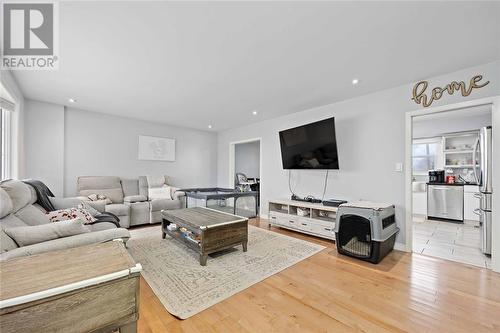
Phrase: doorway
{"type": "Point", "coordinates": [245, 167]}
{"type": "Point", "coordinates": [445, 188]}
{"type": "Point", "coordinates": [447, 220]}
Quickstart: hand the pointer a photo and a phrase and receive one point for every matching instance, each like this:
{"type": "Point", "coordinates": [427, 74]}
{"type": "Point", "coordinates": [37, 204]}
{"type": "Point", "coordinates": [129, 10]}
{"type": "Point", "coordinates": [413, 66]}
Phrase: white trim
{"type": "Point", "coordinates": [203, 227]}
{"type": "Point", "coordinates": [69, 287]}
{"type": "Point", "coordinates": [495, 102]}
{"type": "Point", "coordinates": [17, 150]}
{"type": "Point", "coordinates": [222, 223]}
{"type": "Point", "coordinates": [408, 180]}
{"type": "Point", "coordinates": [136, 269]}
{"type": "Point", "coordinates": [495, 230]}
{"type": "Point", "coordinates": [222, 212]}
{"type": "Point", "coordinates": [232, 157]}
{"type": "Point", "coordinates": [6, 144]}
{"type": "Point", "coordinates": [400, 247]}
{"type": "Point", "coordinates": [432, 139]}
{"type": "Point", "coordinates": [7, 105]}
{"type": "Point", "coordinates": [232, 163]}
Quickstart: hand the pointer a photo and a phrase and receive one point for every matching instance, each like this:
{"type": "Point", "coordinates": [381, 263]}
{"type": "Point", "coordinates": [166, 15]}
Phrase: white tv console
{"type": "Point", "coordinates": [319, 220]}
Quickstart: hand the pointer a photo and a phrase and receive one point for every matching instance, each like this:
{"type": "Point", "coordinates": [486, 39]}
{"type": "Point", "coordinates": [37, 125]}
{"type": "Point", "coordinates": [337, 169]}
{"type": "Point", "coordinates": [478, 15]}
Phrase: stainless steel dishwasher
{"type": "Point", "coordinates": [445, 201]}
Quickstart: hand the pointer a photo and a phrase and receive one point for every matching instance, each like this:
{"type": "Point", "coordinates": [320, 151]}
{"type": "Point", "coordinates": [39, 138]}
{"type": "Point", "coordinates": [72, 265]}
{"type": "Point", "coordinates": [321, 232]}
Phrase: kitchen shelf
{"type": "Point", "coordinates": [463, 141]}
{"type": "Point", "coordinates": [459, 151]}
{"type": "Point", "coordinates": [458, 154]}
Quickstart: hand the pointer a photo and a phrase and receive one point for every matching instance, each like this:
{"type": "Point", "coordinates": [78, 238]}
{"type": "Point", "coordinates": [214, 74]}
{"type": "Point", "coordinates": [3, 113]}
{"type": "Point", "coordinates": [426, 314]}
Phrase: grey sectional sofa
{"type": "Point", "coordinates": [130, 201]}
{"type": "Point", "coordinates": [18, 209]}
{"type": "Point", "coordinates": [157, 205]}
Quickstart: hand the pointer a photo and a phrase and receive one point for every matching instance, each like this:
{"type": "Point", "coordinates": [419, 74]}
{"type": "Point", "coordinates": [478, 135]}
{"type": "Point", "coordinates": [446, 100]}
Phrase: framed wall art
{"type": "Point", "coordinates": [153, 148]}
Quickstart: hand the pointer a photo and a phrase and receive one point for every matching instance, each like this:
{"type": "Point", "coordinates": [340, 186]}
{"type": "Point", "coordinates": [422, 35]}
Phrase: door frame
{"type": "Point", "coordinates": [495, 115]}
{"type": "Point", "coordinates": [232, 148]}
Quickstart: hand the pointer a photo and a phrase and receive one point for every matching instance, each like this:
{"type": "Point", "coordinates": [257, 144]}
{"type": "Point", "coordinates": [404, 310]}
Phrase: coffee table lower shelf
{"type": "Point", "coordinates": [213, 238]}
{"type": "Point", "coordinates": [178, 235]}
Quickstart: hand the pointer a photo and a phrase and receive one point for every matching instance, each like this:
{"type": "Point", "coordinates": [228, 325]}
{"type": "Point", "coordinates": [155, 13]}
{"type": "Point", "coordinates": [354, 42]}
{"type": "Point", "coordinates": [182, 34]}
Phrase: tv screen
{"type": "Point", "coordinates": [311, 146]}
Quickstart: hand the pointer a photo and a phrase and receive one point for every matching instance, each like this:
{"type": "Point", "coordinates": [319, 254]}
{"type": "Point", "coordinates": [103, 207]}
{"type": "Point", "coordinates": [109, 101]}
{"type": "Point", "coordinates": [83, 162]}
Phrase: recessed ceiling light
{"type": "Point", "coordinates": [209, 126]}
{"type": "Point", "coordinates": [254, 112]}
{"type": "Point", "coordinates": [72, 100]}
{"type": "Point", "coordinates": [355, 81]}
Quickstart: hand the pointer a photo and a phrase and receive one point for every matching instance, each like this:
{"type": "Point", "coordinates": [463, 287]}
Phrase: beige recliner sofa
{"type": "Point", "coordinates": [129, 198]}
{"type": "Point", "coordinates": [18, 209]}
{"type": "Point", "coordinates": [157, 205]}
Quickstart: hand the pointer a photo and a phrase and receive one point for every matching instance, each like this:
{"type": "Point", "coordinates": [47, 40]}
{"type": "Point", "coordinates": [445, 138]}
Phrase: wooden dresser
{"type": "Point", "coordinates": [86, 289]}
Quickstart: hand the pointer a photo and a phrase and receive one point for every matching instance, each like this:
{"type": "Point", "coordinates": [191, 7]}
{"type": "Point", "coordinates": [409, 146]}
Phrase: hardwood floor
{"type": "Point", "coordinates": [332, 293]}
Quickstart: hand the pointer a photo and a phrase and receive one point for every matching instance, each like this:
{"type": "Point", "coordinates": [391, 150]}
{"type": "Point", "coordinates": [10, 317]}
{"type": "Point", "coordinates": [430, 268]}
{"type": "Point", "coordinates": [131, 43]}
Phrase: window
{"type": "Point", "coordinates": [426, 154]}
{"type": "Point", "coordinates": [6, 109]}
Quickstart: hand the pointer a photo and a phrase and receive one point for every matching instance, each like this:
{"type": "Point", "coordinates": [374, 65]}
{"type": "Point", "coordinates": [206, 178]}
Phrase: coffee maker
{"type": "Point", "coordinates": [436, 176]}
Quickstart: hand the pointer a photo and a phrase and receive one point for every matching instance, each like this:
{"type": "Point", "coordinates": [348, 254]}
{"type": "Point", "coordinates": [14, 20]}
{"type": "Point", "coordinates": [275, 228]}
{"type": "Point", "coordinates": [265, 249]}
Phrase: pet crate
{"type": "Point", "coordinates": [366, 230]}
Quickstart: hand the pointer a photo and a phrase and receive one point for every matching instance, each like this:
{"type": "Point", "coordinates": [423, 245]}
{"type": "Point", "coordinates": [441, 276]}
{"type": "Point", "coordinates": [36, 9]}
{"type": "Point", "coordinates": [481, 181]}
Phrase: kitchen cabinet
{"type": "Point", "coordinates": [470, 202]}
{"type": "Point", "coordinates": [420, 203]}
{"type": "Point", "coordinates": [460, 155]}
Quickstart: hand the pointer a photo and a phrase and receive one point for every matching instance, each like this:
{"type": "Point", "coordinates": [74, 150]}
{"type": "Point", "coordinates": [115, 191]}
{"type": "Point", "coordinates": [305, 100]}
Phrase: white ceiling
{"type": "Point", "coordinates": [475, 111]}
{"type": "Point", "coordinates": [199, 63]}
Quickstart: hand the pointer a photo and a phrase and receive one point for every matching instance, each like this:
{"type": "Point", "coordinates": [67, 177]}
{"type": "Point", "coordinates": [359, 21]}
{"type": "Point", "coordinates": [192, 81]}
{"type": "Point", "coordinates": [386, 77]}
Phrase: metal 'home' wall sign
{"type": "Point", "coordinates": [420, 96]}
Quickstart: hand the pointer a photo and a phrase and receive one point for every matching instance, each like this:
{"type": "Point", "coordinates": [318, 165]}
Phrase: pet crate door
{"type": "Point", "coordinates": [355, 235]}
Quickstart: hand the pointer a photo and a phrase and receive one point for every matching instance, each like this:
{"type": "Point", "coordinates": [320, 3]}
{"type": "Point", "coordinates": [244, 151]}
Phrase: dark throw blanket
{"type": "Point", "coordinates": [43, 193]}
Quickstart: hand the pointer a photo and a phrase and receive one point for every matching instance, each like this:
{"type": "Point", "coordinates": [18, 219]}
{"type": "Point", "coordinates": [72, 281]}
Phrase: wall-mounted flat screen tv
{"type": "Point", "coordinates": [311, 146]}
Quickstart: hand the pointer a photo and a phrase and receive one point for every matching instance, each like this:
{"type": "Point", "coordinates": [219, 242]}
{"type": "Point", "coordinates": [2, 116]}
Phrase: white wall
{"type": "Point", "coordinates": [371, 139]}
{"type": "Point", "coordinates": [44, 135]}
{"type": "Point", "coordinates": [247, 158]}
{"type": "Point", "coordinates": [99, 144]}
{"type": "Point", "coordinates": [82, 143]}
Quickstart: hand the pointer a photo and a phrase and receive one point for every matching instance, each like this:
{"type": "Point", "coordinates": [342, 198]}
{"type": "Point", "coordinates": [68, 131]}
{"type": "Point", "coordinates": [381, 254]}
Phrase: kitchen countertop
{"type": "Point", "coordinates": [446, 184]}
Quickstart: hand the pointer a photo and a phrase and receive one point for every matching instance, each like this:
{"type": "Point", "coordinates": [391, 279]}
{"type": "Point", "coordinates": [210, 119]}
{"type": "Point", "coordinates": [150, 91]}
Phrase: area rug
{"type": "Point", "coordinates": [185, 288]}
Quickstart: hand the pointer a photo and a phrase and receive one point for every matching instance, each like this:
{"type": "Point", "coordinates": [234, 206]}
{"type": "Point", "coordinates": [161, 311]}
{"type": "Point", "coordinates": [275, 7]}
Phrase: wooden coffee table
{"type": "Point", "coordinates": [93, 288]}
{"type": "Point", "coordinates": [206, 230]}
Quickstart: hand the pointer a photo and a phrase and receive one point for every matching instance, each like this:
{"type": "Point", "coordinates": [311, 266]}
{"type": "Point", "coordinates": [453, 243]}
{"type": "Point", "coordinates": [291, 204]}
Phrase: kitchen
{"type": "Point", "coordinates": [451, 173]}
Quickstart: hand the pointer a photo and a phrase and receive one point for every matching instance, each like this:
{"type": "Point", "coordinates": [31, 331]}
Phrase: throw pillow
{"type": "Point", "coordinates": [163, 192]}
{"type": "Point", "coordinates": [29, 235]}
{"type": "Point", "coordinates": [69, 214]}
{"type": "Point", "coordinates": [98, 197]}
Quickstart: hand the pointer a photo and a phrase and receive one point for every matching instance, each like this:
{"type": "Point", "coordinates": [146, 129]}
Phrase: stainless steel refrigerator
{"type": "Point", "coordinates": [483, 172]}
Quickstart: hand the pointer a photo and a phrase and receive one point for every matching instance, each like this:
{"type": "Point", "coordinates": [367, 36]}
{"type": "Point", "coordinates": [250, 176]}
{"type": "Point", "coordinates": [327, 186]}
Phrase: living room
{"type": "Point", "coordinates": [150, 148]}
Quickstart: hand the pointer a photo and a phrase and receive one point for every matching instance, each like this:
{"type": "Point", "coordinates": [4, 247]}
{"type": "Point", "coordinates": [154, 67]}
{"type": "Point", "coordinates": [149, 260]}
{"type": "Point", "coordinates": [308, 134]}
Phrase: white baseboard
{"type": "Point", "coordinates": [400, 247]}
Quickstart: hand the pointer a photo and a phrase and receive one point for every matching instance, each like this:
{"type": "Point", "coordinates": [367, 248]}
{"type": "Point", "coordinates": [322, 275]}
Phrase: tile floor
{"type": "Point", "coordinates": [451, 241]}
